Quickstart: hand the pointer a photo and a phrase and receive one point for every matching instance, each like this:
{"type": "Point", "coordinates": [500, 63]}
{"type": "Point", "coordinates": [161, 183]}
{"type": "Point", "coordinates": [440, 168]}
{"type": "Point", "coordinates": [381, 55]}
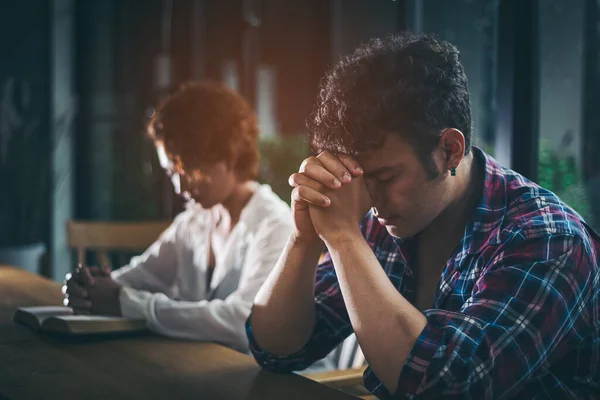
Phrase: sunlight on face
{"type": "Point", "coordinates": [209, 185]}
{"type": "Point", "coordinates": [169, 168]}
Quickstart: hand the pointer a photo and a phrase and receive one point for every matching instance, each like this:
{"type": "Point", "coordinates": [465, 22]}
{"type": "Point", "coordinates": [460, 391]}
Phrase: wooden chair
{"type": "Point", "coordinates": [348, 377]}
{"type": "Point", "coordinates": [102, 237]}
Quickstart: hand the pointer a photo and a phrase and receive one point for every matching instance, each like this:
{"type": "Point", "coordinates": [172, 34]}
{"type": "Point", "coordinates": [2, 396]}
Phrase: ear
{"type": "Point", "coordinates": [452, 143]}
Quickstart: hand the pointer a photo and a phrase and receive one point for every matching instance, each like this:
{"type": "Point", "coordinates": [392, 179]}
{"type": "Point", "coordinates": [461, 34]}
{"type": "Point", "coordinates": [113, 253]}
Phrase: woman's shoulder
{"type": "Point", "coordinates": [267, 208]}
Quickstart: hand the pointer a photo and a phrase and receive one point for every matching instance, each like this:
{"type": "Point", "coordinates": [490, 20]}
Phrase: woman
{"type": "Point", "coordinates": [198, 280]}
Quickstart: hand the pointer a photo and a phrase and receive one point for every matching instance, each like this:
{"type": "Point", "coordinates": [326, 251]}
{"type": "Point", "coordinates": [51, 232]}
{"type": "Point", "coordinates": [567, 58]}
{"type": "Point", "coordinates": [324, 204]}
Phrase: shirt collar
{"type": "Point", "coordinates": [482, 228]}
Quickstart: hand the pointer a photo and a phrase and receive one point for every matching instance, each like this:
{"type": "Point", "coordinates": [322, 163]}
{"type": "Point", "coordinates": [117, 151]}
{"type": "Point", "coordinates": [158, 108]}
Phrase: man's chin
{"type": "Point", "coordinates": [393, 230]}
{"type": "Point", "coordinates": [398, 232]}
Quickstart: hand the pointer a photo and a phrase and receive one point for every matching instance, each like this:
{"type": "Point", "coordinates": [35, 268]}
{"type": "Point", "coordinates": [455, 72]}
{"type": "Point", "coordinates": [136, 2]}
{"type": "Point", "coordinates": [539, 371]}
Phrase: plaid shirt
{"type": "Point", "coordinates": [516, 313]}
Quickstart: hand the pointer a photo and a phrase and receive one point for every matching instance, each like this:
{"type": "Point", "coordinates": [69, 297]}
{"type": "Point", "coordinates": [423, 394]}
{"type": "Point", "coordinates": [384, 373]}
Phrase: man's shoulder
{"type": "Point", "coordinates": [511, 200]}
{"type": "Point", "coordinates": [536, 216]}
{"type": "Point", "coordinates": [514, 210]}
{"type": "Point", "coordinates": [537, 211]}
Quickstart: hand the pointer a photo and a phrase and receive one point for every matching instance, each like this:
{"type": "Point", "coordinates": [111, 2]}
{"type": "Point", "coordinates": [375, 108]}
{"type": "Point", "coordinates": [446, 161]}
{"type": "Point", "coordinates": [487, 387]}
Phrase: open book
{"type": "Point", "coordinates": [62, 320]}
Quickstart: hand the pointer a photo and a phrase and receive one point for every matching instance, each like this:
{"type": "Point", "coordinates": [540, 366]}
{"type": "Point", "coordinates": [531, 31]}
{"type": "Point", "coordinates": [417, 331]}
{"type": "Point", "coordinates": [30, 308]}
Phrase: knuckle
{"type": "Point", "coordinates": [295, 194]}
{"type": "Point", "coordinates": [346, 159]}
{"type": "Point", "coordinates": [307, 161]}
{"type": "Point", "coordinates": [311, 167]}
{"type": "Point", "coordinates": [294, 179]}
{"type": "Point", "coordinates": [304, 192]}
{"type": "Point", "coordinates": [301, 190]}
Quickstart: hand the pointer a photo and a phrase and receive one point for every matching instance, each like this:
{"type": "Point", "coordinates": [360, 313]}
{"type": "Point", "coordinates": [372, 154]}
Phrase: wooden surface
{"type": "Point", "coordinates": [34, 366]}
{"type": "Point", "coordinates": [339, 378]}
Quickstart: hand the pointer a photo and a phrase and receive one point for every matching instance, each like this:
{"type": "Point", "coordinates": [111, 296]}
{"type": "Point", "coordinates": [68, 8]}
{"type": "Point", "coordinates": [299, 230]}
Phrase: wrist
{"type": "Point", "coordinates": [309, 250]}
{"type": "Point", "coordinates": [305, 243]}
{"type": "Point", "coordinates": [338, 238]}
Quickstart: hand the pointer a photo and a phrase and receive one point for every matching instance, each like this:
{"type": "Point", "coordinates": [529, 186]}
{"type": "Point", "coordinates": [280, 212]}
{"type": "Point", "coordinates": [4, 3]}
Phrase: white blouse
{"type": "Point", "coordinates": [167, 285]}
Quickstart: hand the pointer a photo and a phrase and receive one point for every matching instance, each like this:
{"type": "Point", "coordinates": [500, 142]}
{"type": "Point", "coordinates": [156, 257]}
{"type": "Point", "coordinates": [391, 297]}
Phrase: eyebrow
{"type": "Point", "coordinates": [382, 170]}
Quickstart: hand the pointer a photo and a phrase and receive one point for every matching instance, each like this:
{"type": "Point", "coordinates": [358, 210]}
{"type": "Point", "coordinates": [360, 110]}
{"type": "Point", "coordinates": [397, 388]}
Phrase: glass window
{"type": "Point", "coordinates": [566, 140]}
{"type": "Point", "coordinates": [471, 26]}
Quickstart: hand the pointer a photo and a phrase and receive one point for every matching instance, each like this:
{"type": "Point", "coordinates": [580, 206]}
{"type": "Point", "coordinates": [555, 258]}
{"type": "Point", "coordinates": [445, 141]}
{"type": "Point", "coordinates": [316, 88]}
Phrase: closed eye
{"type": "Point", "coordinates": [386, 179]}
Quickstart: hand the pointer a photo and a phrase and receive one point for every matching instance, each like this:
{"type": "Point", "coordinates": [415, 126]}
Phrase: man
{"type": "Point", "coordinates": [200, 277]}
{"type": "Point", "coordinates": [464, 280]}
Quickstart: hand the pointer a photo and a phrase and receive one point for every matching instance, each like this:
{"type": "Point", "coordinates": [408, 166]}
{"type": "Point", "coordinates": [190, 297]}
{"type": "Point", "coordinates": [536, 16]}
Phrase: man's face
{"type": "Point", "coordinates": [406, 199]}
{"type": "Point", "coordinates": [209, 185]}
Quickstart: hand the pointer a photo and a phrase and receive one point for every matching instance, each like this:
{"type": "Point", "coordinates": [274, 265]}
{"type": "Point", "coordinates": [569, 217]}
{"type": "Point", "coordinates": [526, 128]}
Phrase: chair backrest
{"type": "Point", "coordinates": [348, 354]}
{"type": "Point", "coordinates": [349, 363]}
{"type": "Point", "coordinates": [110, 236]}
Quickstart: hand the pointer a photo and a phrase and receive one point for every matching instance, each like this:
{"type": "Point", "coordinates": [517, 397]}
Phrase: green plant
{"type": "Point", "coordinates": [24, 166]}
{"type": "Point", "coordinates": [280, 156]}
{"type": "Point", "coordinates": [560, 175]}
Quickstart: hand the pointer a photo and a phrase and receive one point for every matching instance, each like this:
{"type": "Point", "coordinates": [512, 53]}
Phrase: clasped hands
{"type": "Point", "coordinates": [329, 198]}
{"type": "Point", "coordinates": [91, 290]}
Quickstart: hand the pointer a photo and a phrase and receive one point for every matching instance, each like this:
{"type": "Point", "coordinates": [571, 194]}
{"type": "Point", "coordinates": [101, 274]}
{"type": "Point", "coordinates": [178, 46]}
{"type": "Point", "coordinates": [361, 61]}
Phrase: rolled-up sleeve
{"type": "Point", "coordinates": [528, 308]}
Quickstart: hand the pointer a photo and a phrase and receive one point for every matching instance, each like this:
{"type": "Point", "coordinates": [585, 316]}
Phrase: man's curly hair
{"type": "Point", "coordinates": [208, 122]}
{"type": "Point", "coordinates": [410, 84]}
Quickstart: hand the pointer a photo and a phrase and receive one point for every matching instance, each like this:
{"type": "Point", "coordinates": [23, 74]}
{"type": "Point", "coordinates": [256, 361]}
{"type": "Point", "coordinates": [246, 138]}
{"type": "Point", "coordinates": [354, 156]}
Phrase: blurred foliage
{"type": "Point", "coordinates": [281, 156]}
{"type": "Point", "coordinates": [560, 175]}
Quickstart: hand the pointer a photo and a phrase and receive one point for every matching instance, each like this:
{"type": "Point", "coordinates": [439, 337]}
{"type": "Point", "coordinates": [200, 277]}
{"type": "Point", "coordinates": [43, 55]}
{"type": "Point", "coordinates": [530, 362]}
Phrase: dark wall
{"type": "Point", "coordinates": [24, 45]}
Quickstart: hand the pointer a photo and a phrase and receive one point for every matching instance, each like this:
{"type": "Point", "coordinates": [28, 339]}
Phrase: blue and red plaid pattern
{"type": "Point", "coordinates": [516, 313]}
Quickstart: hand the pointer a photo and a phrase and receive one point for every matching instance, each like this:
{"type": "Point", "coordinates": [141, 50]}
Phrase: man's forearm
{"type": "Point", "coordinates": [386, 324]}
{"type": "Point", "coordinates": [283, 314]}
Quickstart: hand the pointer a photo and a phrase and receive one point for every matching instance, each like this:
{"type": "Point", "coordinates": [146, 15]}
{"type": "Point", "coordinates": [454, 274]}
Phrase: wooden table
{"type": "Point", "coordinates": [35, 366]}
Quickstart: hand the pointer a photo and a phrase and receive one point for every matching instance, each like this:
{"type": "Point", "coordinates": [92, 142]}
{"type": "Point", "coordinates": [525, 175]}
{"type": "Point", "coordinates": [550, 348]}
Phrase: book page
{"type": "Point", "coordinates": [90, 324]}
{"type": "Point", "coordinates": [44, 312]}
{"type": "Point", "coordinates": [92, 318]}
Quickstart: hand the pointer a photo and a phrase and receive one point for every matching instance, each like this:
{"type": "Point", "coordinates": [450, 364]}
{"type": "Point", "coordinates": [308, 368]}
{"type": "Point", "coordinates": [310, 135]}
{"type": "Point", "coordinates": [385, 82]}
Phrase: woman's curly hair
{"type": "Point", "coordinates": [410, 84]}
{"type": "Point", "coordinates": [208, 122]}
